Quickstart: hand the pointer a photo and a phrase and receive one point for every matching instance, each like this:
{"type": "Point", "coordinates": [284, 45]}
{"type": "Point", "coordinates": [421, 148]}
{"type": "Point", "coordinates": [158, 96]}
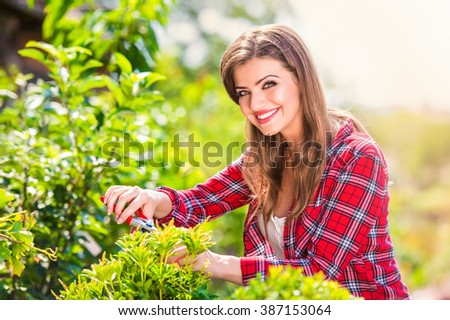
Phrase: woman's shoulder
{"type": "Point", "coordinates": [362, 143]}
{"type": "Point", "coordinates": [350, 143]}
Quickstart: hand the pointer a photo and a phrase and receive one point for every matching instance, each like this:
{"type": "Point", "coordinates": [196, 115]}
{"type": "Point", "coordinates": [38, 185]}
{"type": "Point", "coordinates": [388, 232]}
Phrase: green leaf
{"type": "Point", "coordinates": [17, 226]}
{"type": "Point", "coordinates": [77, 70]}
{"type": "Point", "coordinates": [115, 89]}
{"type": "Point", "coordinates": [5, 253]}
{"type": "Point", "coordinates": [18, 250]}
{"type": "Point", "coordinates": [51, 50]}
{"type": "Point", "coordinates": [5, 198]}
{"type": "Point", "coordinates": [77, 49]}
{"type": "Point", "coordinates": [123, 63]}
{"type": "Point", "coordinates": [11, 218]}
{"type": "Point", "coordinates": [17, 266]}
{"type": "Point", "coordinates": [145, 79]}
{"type": "Point", "coordinates": [55, 11]}
{"type": "Point", "coordinates": [33, 54]}
{"type": "Point", "coordinates": [24, 236]}
{"type": "Point", "coordinates": [92, 82]}
{"type": "Point", "coordinates": [143, 51]}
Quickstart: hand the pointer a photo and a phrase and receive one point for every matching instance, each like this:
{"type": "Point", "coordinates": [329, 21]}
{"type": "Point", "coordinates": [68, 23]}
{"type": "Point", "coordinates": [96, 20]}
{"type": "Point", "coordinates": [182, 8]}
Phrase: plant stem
{"type": "Point", "coordinates": [48, 252]}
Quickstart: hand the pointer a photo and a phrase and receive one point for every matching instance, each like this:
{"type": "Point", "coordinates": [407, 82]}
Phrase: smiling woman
{"type": "Point", "coordinates": [315, 181]}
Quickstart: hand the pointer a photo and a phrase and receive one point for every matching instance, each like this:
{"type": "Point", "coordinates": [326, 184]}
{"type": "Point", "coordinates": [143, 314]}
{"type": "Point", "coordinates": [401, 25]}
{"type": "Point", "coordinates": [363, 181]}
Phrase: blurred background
{"type": "Point", "coordinates": [386, 61]}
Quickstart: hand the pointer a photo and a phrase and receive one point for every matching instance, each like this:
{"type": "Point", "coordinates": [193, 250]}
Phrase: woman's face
{"type": "Point", "coordinates": [269, 97]}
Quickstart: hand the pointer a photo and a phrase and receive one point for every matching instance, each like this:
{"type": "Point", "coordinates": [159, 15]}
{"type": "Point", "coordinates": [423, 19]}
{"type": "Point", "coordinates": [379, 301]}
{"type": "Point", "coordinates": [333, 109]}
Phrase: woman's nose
{"type": "Point", "coordinates": [257, 101]}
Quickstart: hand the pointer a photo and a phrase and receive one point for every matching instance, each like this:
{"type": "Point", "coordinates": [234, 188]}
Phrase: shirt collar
{"type": "Point", "coordinates": [343, 132]}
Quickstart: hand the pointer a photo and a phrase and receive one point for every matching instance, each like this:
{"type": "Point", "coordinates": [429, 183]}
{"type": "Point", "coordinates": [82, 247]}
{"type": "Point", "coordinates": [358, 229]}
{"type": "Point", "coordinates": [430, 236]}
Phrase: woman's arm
{"type": "Point", "coordinates": [217, 266]}
{"type": "Point", "coordinates": [220, 194]}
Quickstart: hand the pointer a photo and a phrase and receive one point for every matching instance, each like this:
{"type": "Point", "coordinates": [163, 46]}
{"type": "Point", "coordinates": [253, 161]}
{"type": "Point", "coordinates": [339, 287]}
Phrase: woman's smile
{"type": "Point", "coordinates": [266, 116]}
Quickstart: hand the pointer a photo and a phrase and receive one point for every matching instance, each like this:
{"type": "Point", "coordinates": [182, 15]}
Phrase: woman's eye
{"type": "Point", "coordinates": [241, 93]}
{"type": "Point", "coordinates": [268, 84]}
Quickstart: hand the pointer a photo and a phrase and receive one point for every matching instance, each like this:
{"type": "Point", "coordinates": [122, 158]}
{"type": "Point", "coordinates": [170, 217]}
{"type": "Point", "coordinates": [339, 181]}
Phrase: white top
{"type": "Point", "coordinates": [275, 229]}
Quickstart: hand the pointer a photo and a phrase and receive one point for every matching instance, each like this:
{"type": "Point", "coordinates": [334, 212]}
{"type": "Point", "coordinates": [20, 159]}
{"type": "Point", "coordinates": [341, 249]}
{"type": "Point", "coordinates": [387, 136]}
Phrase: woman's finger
{"type": "Point", "coordinates": [125, 198]}
{"type": "Point", "coordinates": [112, 198]}
{"type": "Point", "coordinates": [177, 256]}
{"type": "Point", "coordinates": [108, 192]}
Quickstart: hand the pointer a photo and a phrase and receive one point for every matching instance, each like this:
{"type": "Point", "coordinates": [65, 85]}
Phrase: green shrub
{"type": "Point", "coordinates": [68, 136]}
{"type": "Point", "coordinates": [16, 241]}
{"type": "Point", "coordinates": [140, 269]}
{"type": "Point", "coordinates": [288, 283]}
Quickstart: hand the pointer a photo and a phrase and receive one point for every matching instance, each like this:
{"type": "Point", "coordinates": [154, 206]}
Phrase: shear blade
{"type": "Point", "coordinates": [145, 225]}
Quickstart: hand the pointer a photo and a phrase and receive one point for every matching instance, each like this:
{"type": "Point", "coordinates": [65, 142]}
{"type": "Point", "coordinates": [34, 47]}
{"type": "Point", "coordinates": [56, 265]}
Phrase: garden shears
{"type": "Point", "coordinates": [139, 221]}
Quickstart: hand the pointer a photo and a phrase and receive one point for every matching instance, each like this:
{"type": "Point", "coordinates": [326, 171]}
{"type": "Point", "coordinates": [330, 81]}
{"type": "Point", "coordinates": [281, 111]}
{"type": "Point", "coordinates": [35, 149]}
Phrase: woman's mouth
{"type": "Point", "coordinates": [265, 116]}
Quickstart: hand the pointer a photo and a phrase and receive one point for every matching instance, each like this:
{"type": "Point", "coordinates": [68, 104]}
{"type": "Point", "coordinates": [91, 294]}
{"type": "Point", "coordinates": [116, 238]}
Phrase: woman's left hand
{"type": "Point", "coordinates": [205, 261]}
{"type": "Point", "coordinates": [217, 266]}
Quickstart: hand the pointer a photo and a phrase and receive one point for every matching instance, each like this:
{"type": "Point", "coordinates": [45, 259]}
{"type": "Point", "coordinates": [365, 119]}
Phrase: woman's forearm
{"type": "Point", "coordinates": [227, 268]}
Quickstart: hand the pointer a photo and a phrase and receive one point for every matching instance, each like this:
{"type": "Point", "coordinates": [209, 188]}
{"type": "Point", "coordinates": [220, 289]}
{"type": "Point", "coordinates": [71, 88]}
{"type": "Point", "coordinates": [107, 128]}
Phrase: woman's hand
{"type": "Point", "coordinates": [128, 200]}
{"type": "Point", "coordinates": [216, 265]}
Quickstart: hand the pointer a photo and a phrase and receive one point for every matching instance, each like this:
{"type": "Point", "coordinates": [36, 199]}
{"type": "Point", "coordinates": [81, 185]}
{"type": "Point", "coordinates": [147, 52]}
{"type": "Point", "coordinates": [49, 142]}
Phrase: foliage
{"type": "Point", "coordinates": [16, 241]}
{"type": "Point", "coordinates": [127, 27]}
{"type": "Point", "coordinates": [66, 138]}
{"type": "Point", "coordinates": [289, 283]}
{"type": "Point", "coordinates": [140, 270]}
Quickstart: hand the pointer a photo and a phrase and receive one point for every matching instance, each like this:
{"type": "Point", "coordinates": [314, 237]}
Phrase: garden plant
{"type": "Point", "coordinates": [139, 271]}
{"type": "Point", "coordinates": [53, 129]}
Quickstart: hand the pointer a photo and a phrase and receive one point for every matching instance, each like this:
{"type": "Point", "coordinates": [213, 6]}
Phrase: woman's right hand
{"type": "Point", "coordinates": [128, 200]}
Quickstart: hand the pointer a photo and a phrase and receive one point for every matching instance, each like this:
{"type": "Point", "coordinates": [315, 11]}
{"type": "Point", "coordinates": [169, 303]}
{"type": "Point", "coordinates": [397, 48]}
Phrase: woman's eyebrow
{"type": "Point", "coordinates": [259, 81]}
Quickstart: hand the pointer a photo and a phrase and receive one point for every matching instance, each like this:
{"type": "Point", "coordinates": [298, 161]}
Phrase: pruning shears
{"type": "Point", "coordinates": [139, 221]}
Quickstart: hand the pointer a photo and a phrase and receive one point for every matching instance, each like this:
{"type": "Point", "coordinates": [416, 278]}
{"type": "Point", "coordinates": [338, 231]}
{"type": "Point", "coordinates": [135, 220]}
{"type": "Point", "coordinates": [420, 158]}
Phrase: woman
{"type": "Point", "coordinates": [315, 181]}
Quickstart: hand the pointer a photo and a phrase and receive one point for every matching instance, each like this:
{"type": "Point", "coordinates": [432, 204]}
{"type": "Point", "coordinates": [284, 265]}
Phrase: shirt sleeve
{"type": "Point", "coordinates": [358, 197]}
{"type": "Point", "coordinates": [220, 194]}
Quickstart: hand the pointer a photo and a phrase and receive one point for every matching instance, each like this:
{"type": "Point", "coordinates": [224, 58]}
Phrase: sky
{"type": "Point", "coordinates": [378, 54]}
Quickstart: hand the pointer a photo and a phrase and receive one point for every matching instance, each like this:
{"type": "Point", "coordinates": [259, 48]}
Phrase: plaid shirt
{"type": "Point", "coordinates": [343, 231]}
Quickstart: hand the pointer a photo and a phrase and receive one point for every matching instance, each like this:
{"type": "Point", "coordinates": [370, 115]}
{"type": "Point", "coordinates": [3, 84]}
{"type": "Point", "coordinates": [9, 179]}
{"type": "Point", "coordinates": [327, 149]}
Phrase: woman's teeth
{"type": "Point", "coordinates": [266, 115]}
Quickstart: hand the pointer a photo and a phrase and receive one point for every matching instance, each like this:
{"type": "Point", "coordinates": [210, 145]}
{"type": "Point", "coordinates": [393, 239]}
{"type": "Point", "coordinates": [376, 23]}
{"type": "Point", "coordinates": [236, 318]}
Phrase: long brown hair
{"type": "Point", "coordinates": [267, 155]}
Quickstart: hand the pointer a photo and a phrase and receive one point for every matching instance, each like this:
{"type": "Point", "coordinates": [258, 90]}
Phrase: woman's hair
{"type": "Point", "coordinates": [267, 156]}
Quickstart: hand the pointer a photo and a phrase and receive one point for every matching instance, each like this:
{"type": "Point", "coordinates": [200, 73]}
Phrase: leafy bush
{"type": "Point", "coordinates": [140, 269]}
{"type": "Point", "coordinates": [288, 283]}
{"type": "Point", "coordinates": [67, 137]}
{"type": "Point", "coordinates": [127, 27]}
{"type": "Point", "coordinates": [16, 241]}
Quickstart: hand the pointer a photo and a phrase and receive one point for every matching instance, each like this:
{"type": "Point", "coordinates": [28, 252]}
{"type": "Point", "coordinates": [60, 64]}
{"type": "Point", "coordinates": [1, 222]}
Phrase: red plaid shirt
{"type": "Point", "coordinates": [343, 231]}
